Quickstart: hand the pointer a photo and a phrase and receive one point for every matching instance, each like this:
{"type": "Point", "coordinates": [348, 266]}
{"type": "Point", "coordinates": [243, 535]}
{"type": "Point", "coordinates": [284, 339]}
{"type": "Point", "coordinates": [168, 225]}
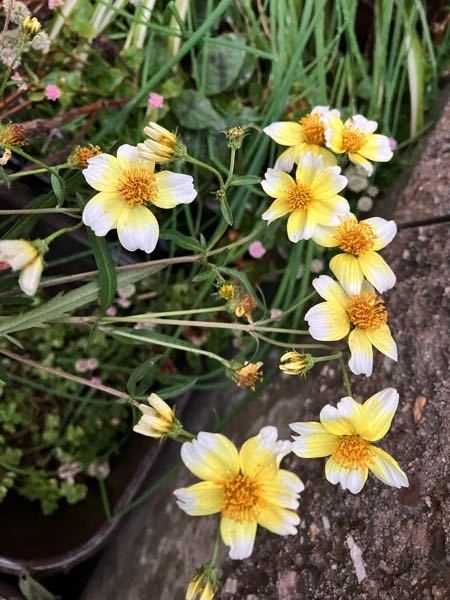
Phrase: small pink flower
{"type": "Point", "coordinates": [68, 470]}
{"type": "Point", "coordinates": [86, 364]}
{"type": "Point", "coordinates": [392, 144]}
{"type": "Point", "coordinates": [52, 92]}
{"type": "Point", "coordinates": [111, 311]}
{"type": "Point", "coordinates": [256, 249]}
{"type": "Point", "coordinates": [275, 312]}
{"type": "Point", "coordinates": [155, 100]}
{"type": "Point", "coordinates": [53, 4]}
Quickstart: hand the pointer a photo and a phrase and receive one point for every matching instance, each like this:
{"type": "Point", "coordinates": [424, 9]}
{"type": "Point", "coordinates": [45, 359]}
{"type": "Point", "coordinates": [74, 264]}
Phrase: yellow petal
{"type": "Point", "coordinates": [328, 183]}
{"type": "Point", "coordinates": [348, 272]}
{"type": "Point", "coordinates": [103, 173]}
{"type": "Point", "coordinates": [17, 253]}
{"type": "Point", "coordinates": [329, 211]}
{"type": "Point", "coordinates": [380, 409]}
{"type": "Point", "coordinates": [286, 133]}
{"type": "Point", "coordinates": [211, 457]}
{"type": "Point", "coordinates": [383, 341]}
{"type": "Point", "coordinates": [324, 236]}
{"type": "Point", "coordinates": [261, 454]}
{"type": "Point", "coordinates": [330, 290]}
{"type": "Point", "coordinates": [359, 160]}
{"type": "Point", "coordinates": [328, 321]}
{"type": "Point", "coordinates": [341, 420]}
{"type": "Point", "coordinates": [377, 271]}
{"type": "Point", "coordinates": [174, 189]}
{"type": "Point", "coordinates": [377, 148]}
{"type": "Point", "coordinates": [352, 480]}
{"type": "Point", "coordinates": [385, 468]}
{"type": "Point", "coordinates": [361, 360]}
{"type": "Point", "coordinates": [277, 183]}
{"type": "Point", "coordinates": [333, 133]}
{"type": "Point", "coordinates": [137, 228]}
{"type": "Point", "coordinates": [239, 536]}
{"type": "Point", "coordinates": [300, 226]}
{"type": "Point", "coordinates": [203, 498]}
{"type": "Point", "coordinates": [283, 490]}
{"type": "Point", "coordinates": [278, 520]}
{"type": "Point", "coordinates": [102, 212]}
{"type": "Point", "coordinates": [30, 276]}
{"type": "Point", "coordinates": [277, 209]}
{"type": "Point", "coordinates": [385, 231]}
{"type": "Point", "coordinates": [313, 441]}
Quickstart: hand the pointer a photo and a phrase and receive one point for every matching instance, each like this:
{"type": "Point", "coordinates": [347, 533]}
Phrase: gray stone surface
{"type": "Point", "coordinates": [401, 534]}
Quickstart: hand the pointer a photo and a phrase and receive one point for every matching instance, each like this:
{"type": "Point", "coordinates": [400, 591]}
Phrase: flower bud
{"type": "Point", "coordinates": [294, 363]}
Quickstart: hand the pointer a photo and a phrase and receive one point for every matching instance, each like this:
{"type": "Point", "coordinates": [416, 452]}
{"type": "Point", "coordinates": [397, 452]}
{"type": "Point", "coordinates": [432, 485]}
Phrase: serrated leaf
{"type": "Point", "coordinates": [58, 188]}
{"type": "Point", "coordinates": [246, 180]}
{"type": "Point", "coordinates": [62, 304]}
{"type": "Point", "coordinates": [226, 211]}
{"type": "Point", "coordinates": [224, 63]}
{"type": "Point", "coordinates": [107, 275]}
{"type": "Point", "coordinates": [176, 390]}
{"type": "Point", "coordinates": [142, 377]}
{"type": "Point", "coordinates": [195, 111]}
{"type": "Point", "coordinates": [183, 241]}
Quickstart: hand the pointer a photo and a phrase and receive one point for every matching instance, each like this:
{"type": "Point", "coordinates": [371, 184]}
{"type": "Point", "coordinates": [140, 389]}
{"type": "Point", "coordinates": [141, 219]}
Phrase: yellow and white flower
{"type": "Point", "coordinates": [363, 315]}
{"type": "Point", "coordinates": [360, 242]}
{"type": "Point", "coordinates": [306, 135]}
{"type": "Point", "coordinates": [344, 434]}
{"type": "Point", "coordinates": [157, 420]}
{"type": "Point", "coordinates": [311, 198]}
{"type": "Point", "coordinates": [247, 487]}
{"type": "Point", "coordinates": [128, 187]}
{"type": "Point", "coordinates": [25, 257]}
{"type": "Point", "coordinates": [357, 139]}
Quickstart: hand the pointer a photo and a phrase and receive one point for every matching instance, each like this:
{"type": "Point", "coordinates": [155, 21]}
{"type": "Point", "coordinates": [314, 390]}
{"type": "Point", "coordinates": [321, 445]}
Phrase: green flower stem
{"type": "Point", "coordinates": [41, 211]}
{"type": "Point", "coordinates": [345, 376]}
{"type": "Point", "coordinates": [318, 359]}
{"type": "Point", "coordinates": [207, 167]}
{"type": "Point", "coordinates": [56, 234]}
{"type": "Point", "coordinates": [173, 345]}
{"type": "Point", "coordinates": [289, 310]}
{"type": "Point", "coordinates": [183, 436]}
{"type": "Point", "coordinates": [64, 374]}
{"type": "Point", "coordinates": [290, 345]}
{"type": "Point", "coordinates": [146, 316]}
{"type": "Point", "coordinates": [36, 171]}
{"type": "Point", "coordinates": [20, 152]}
{"type": "Point", "coordinates": [231, 168]}
{"type": "Point", "coordinates": [105, 499]}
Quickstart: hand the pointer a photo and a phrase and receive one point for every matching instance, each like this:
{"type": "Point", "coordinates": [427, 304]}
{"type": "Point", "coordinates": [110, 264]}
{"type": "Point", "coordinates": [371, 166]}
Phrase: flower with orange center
{"type": "Point", "coordinates": [81, 154]}
{"type": "Point", "coordinates": [128, 187]}
{"type": "Point", "coordinates": [345, 434]}
{"type": "Point", "coordinates": [311, 198]}
{"type": "Point", "coordinates": [247, 487]}
{"type": "Point", "coordinates": [306, 135]}
{"type": "Point", "coordinates": [357, 139]}
{"type": "Point", "coordinates": [360, 242]}
{"type": "Point", "coordinates": [363, 315]}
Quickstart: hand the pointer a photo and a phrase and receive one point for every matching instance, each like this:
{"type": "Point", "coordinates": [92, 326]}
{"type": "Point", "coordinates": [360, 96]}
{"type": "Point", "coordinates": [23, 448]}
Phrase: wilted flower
{"type": "Point", "coordinates": [245, 307]}
{"type": "Point", "coordinates": [235, 137]}
{"type": "Point", "coordinates": [26, 257]}
{"type": "Point", "coordinates": [247, 487]}
{"type": "Point", "coordinates": [344, 434]}
{"type": "Point", "coordinates": [248, 375]}
{"type": "Point", "coordinates": [80, 155]}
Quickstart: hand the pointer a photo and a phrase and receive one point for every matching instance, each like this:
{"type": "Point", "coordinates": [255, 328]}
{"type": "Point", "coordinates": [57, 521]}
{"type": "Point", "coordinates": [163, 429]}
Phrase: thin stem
{"type": "Point", "coordinates": [36, 172]}
{"type": "Point", "coordinates": [231, 168]}
{"type": "Point", "coordinates": [105, 499]}
{"type": "Point", "coordinates": [203, 165]}
{"type": "Point", "coordinates": [40, 211]}
{"type": "Point", "coordinates": [56, 234]}
{"type": "Point", "coordinates": [64, 374]}
{"type": "Point", "coordinates": [345, 376]}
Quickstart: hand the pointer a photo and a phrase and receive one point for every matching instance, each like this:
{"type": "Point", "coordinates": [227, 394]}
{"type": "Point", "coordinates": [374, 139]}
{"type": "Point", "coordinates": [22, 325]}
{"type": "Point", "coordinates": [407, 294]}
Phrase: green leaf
{"type": "Point", "coordinates": [183, 241]}
{"type": "Point", "coordinates": [203, 276]}
{"type": "Point", "coordinates": [62, 304]}
{"type": "Point", "coordinates": [224, 63]}
{"type": "Point", "coordinates": [194, 111]}
{"type": "Point", "coordinates": [152, 337]}
{"type": "Point", "coordinates": [58, 188]}
{"type": "Point", "coordinates": [241, 277]}
{"type": "Point", "coordinates": [177, 390]}
{"type": "Point", "coordinates": [226, 211]}
{"type": "Point", "coordinates": [142, 377]}
{"type": "Point", "coordinates": [246, 180]}
{"type": "Point", "coordinates": [107, 275]}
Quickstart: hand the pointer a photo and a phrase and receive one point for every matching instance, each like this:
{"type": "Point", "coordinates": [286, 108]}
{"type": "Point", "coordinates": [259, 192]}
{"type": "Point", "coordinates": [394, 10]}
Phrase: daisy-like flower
{"type": "Point", "coordinates": [360, 242]}
{"type": "Point", "coordinates": [158, 419]}
{"type": "Point", "coordinates": [311, 198]}
{"type": "Point", "coordinates": [247, 487]}
{"type": "Point", "coordinates": [357, 139]}
{"type": "Point", "coordinates": [306, 135]}
{"type": "Point", "coordinates": [127, 186]}
{"type": "Point", "coordinates": [161, 145]}
{"type": "Point", "coordinates": [26, 257]}
{"type": "Point", "coordinates": [363, 315]}
{"type": "Point", "coordinates": [344, 434]}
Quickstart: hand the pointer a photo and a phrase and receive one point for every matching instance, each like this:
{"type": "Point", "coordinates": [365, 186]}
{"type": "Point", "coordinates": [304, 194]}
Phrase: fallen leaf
{"type": "Point", "coordinates": [418, 407]}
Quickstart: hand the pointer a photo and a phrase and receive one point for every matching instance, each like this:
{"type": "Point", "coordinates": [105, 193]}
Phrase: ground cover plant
{"type": "Point", "coordinates": [216, 160]}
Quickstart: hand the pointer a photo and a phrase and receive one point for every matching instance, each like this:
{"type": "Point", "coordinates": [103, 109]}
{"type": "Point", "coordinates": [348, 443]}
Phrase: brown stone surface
{"type": "Point", "coordinates": [400, 534]}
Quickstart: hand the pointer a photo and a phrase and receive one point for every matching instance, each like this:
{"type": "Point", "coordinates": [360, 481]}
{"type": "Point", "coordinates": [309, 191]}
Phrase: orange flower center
{"type": "Point", "coordinates": [299, 196]}
{"type": "Point", "coordinates": [138, 186]}
{"type": "Point", "coordinates": [313, 129]}
{"type": "Point", "coordinates": [241, 499]}
{"type": "Point", "coordinates": [353, 452]}
{"type": "Point", "coordinates": [355, 238]}
{"type": "Point", "coordinates": [367, 311]}
{"type": "Point", "coordinates": [352, 139]}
